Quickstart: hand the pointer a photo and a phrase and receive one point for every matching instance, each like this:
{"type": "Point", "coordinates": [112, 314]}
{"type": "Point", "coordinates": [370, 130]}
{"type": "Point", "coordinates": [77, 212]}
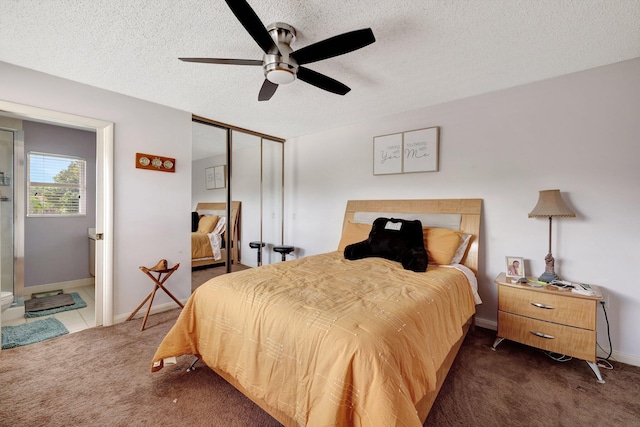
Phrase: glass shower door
{"type": "Point", "coordinates": [6, 214]}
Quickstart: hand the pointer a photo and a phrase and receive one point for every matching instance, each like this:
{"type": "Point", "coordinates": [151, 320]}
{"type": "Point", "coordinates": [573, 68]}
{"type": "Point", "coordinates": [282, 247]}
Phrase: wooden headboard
{"type": "Point", "coordinates": [219, 206]}
{"type": "Point", "coordinates": [468, 209]}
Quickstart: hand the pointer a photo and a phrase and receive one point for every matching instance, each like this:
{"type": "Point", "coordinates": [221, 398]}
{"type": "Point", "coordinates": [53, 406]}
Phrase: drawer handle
{"type": "Point", "coordinates": [539, 305]}
{"type": "Point", "coordinates": [541, 335]}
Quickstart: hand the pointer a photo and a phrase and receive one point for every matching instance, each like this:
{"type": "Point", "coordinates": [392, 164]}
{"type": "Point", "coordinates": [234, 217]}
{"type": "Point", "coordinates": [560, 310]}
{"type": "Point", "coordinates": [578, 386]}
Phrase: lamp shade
{"type": "Point", "coordinates": [550, 204]}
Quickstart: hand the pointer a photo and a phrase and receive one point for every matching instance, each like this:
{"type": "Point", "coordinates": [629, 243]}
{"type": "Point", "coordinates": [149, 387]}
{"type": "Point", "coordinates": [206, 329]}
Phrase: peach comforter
{"type": "Point", "coordinates": [323, 341]}
{"type": "Point", "coordinates": [200, 246]}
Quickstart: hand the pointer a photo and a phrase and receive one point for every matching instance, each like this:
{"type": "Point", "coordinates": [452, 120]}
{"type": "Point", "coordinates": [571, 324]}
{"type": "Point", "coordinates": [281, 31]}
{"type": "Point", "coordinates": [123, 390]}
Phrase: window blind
{"type": "Point", "coordinates": [56, 185]}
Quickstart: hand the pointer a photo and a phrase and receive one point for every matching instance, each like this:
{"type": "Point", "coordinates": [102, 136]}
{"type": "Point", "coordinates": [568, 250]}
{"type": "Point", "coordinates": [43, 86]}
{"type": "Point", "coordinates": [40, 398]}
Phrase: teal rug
{"type": "Point", "coordinates": [32, 332]}
{"type": "Point", "coordinates": [79, 303]}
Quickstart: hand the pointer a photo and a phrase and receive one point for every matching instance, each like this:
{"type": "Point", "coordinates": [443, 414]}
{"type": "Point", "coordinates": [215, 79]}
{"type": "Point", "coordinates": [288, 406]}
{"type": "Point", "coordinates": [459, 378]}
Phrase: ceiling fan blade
{"type": "Point", "coordinates": [334, 46]}
{"type": "Point", "coordinates": [267, 90]}
{"type": "Point", "coordinates": [253, 25]}
{"type": "Point", "coordinates": [321, 81]}
{"type": "Point", "coordinates": [223, 61]}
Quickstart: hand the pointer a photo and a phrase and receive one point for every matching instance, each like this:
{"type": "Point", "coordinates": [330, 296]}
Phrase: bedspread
{"type": "Point", "coordinates": [200, 246]}
{"type": "Point", "coordinates": [207, 245]}
{"type": "Point", "coordinates": [328, 341]}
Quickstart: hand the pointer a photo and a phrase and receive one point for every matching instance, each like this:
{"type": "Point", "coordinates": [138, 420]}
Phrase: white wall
{"type": "Point", "coordinates": [151, 209]}
{"type": "Point", "coordinates": [578, 133]}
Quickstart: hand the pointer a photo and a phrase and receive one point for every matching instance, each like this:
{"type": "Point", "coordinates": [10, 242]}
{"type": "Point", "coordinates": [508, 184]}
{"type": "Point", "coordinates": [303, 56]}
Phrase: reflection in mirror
{"type": "Point", "coordinates": [256, 181]}
{"type": "Point", "coordinates": [209, 150]}
{"type": "Point", "coordinates": [252, 175]}
{"type": "Point", "coordinates": [272, 198]}
{"type": "Point", "coordinates": [245, 187]}
{"type": "Point", "coordinates": [208, 195]}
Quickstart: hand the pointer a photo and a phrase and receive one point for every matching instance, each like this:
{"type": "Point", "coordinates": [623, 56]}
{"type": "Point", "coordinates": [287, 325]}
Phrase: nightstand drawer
{"type": "Point", "coordinates": [557, 308]}
{"type": "Point", "coordinates": [575, 342]}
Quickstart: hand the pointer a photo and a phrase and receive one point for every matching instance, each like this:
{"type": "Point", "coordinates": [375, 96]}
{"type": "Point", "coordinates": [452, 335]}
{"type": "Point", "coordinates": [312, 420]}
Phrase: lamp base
{"type": "Point", "coordinates": [548, 277]}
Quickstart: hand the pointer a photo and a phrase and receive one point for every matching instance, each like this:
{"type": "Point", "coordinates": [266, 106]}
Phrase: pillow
{"type": "Point", "coordinates": [207, 224]}
{"type": "Point", "coordinates": [353, 232]}
{"type": "Point", "coordinates": [195, 219]}
{"type": "Point", "coordinates": [394, 239]}
{"type": "Point", "coordinates": [462, 249]}
{"type": "Point", "coordinates": [441, 244]}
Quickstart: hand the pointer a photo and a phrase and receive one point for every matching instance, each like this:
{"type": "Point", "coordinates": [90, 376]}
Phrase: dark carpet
{"type": "Point", "coordinates": [113, 386]}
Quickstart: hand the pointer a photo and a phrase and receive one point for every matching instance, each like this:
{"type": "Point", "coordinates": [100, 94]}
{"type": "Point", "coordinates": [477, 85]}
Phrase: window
{"type": "Point", "coordinates": [56, 185]}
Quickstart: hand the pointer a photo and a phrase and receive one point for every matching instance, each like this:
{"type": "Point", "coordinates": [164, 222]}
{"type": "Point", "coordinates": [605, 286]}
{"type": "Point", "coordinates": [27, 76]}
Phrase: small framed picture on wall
{"type": "Point", "coordinates": [215, 177]}
{"type": "Point", "coordinates": [515, 266]}
{"type": "Point", "coordinates": [210, 178]}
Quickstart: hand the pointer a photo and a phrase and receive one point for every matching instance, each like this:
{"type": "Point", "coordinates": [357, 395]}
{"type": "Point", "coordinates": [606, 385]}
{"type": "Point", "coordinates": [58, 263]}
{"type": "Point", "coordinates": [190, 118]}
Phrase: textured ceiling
{"type": "Point", "coordinates": [427, 51]}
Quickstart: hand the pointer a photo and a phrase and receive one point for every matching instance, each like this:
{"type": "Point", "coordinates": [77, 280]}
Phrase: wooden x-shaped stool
{"type": "Point", "coordinates": [160, 268]}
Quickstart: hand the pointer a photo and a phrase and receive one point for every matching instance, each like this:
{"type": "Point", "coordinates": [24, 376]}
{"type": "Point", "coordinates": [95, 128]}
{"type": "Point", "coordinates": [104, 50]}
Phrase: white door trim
{"type": "Point", "coordinates": [104, 195]}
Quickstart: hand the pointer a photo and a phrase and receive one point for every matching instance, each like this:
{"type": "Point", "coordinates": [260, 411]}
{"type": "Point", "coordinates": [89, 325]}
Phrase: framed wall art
{"type": "Point", "coordinates": [406, 152]}
{"type": "Point", "coordinates": [215, 177]}
{"type": "Point", "coordinates": [219, 177]}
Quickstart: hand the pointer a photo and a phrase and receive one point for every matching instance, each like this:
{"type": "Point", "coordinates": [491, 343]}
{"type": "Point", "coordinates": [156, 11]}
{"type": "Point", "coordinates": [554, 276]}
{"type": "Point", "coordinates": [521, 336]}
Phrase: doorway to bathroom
{"type": "Point", "coordinates": [103, 140]}
{"type": "Point", "coordinates": [49, 204]}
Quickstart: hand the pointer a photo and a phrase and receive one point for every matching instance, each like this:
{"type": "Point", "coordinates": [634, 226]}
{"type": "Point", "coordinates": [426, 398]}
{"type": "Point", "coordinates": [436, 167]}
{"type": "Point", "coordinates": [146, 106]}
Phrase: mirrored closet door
{"type": "Point", "coordinates": [246, 168]}
{"type": "Point", "coordinates": [272, 198]}
{"type": "Point", "coordinates": [256, 181]}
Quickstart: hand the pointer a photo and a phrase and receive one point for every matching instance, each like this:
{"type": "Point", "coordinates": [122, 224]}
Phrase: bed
{"type": "Point", "coordinates": [207, 244]}
{"type": "Point", "coordinates": [322, 340]}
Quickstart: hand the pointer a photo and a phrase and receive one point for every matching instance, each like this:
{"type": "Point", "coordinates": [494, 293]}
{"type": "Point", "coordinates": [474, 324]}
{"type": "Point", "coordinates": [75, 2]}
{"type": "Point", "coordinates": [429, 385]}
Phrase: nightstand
{"type": "Point", "coordinates": [549, 318]}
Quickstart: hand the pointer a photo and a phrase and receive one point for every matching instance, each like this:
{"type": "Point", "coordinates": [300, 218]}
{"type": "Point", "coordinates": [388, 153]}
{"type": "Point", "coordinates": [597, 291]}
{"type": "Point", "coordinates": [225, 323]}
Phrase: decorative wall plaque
{"type": "Point", "coordinates": [156, 163]}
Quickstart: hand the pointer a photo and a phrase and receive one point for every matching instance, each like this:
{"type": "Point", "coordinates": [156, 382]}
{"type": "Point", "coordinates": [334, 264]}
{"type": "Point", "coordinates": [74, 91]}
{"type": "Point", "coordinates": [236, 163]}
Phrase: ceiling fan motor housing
{"type": "Point", "coordinates": [281, 68]}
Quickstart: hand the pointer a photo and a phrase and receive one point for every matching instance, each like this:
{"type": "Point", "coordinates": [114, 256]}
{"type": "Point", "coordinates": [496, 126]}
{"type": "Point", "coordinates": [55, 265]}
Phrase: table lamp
{"type": "Point", "coordinates": [550, 204]}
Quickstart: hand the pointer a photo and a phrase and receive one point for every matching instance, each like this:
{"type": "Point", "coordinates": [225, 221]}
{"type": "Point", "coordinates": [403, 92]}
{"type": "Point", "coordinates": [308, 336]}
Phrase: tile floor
{"type": "Point", "coordinates": [73, 320]}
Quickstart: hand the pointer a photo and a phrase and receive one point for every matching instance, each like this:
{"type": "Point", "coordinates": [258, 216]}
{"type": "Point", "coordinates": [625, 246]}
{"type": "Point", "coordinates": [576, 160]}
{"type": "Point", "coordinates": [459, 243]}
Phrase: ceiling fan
{"type": "Point", "coordinates": [280, 63]}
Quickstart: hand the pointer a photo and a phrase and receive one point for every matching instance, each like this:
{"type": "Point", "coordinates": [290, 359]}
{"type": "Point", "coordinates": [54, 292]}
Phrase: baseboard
{"type": "Point", "coordinates": [487, 324]}
{"type": "Point", "coordinates": [65, 286]}
{"type": "Point", "coordinates": [121, 318]}
{"type": "Point", "coordinates": [616, 355]}
{"type": "Point", "coordinates": [13, 313]}
{"type": "Point", "coordinates": [620, 357]}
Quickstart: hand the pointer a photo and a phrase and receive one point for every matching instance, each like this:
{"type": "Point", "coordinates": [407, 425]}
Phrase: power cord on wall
{"type": "Point", "coordinates": [604, 362]}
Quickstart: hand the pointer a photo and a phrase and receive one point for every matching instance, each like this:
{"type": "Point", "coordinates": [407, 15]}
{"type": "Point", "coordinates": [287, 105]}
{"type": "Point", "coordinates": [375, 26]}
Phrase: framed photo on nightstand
{"type": "Point", "coordinates": [515, 266]}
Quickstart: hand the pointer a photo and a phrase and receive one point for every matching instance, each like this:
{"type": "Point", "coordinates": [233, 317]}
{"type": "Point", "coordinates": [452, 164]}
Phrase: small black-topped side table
{"type": "Point", "coordinates": [257, 245]}
{"type": "Point", "coordinates": [284, 250]}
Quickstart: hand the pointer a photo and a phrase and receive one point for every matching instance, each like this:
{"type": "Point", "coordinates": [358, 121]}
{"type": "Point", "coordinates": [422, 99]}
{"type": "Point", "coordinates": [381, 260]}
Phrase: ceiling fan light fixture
{"type": "Point", "coordinates": [279, 72]}
{"type": "Point", "coordinates": [280, 76]}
